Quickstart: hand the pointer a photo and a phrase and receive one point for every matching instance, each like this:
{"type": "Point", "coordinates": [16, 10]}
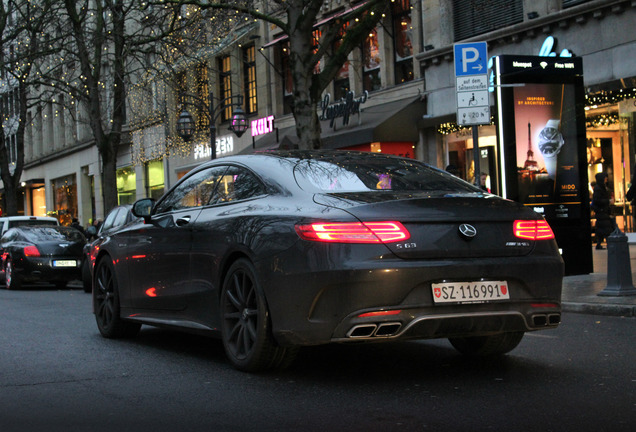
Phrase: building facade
{"type": "Point", "coordinates": [396, 94]}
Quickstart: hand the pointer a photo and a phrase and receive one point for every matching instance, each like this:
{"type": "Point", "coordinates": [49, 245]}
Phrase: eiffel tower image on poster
{"type": "Point", "coordinates": [531, 164]}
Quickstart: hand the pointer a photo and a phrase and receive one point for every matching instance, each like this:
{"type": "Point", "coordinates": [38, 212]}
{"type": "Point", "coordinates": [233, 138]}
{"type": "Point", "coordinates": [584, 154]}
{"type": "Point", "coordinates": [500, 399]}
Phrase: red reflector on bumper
{"type": "Point", "coordinates": [379, 313]}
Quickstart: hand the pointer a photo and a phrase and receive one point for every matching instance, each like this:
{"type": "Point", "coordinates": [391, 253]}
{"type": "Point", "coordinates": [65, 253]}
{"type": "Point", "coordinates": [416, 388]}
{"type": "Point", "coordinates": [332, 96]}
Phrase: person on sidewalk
{"type": "Point", "coordinates": [601, 202]}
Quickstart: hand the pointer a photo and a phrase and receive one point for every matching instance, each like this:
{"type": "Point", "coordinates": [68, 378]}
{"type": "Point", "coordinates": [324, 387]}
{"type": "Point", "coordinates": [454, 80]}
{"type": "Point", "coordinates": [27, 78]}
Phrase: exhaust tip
{"type": "Point", "coordinates": [554, 319]}
{"type": "Point", "coordinates": [388, 329]}
{"type": "Point", "coordinates": [539, 320]}
{"type": "Point", "coordinates": [362, 331]}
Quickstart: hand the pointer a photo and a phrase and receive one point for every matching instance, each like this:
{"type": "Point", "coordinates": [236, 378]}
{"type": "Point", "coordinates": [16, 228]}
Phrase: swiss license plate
{"type": "Point", "coordinates": [64, 263]}
{"type": "Point", "coordinates": [470, 292]}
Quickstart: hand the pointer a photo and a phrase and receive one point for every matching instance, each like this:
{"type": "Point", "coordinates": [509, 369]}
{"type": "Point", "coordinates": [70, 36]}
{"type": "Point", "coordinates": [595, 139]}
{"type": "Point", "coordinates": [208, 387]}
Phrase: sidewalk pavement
{"type": "Point", "coordinates": [580, 292]}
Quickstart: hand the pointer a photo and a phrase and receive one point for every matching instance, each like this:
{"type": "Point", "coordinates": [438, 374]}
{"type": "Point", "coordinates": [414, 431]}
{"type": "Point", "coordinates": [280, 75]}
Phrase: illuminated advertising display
{"type": "Point", "coordinates": [548, 174]}
{"type": "Point", "coordinates": [541, 141]}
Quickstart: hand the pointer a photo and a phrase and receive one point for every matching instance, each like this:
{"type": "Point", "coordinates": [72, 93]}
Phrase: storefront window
{"type": "Point", "coordinates": [126, 185]}
{"type": "Point", "coordinates": [38, 201]}
{"type": "Point", "coordinates": [154, 179]}
{"type": "Point", "coordinates": [64, 199]}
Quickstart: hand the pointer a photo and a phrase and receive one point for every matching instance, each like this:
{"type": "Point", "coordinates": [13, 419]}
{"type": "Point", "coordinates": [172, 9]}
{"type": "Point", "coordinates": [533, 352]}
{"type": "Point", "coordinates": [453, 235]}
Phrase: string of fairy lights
{"type": "Point", "coordinates": [592, 101]}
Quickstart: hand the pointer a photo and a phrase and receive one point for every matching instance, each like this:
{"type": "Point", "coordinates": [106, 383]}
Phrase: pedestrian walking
{"type": "Point", "coordinates": [601, 202]}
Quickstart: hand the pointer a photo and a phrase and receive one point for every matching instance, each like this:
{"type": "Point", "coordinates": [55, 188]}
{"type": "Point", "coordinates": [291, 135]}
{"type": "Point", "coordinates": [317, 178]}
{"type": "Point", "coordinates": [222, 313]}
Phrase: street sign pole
{"type": "Point", "coordinates": [473, 100]}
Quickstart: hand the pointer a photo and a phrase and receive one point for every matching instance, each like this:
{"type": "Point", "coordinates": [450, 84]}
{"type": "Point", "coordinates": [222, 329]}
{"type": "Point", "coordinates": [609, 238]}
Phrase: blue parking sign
{"type": "Point", "coordinates": [471, 58]}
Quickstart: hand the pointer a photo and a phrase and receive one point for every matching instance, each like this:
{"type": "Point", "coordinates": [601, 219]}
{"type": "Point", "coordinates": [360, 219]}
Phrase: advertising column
{"type": "Point", "coordinates": [541, 136]}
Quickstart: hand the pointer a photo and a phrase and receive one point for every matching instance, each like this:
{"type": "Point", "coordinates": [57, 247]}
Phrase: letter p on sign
{"type": "Point", "coordinates": [471, 58]}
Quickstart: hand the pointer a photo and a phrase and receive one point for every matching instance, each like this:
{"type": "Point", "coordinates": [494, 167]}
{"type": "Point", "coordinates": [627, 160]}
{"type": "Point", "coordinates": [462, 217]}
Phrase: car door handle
{"type": "Point", "coordinates": [183, 221]}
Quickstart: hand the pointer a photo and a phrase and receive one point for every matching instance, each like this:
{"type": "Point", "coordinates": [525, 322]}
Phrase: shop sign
{"type": "Point", "coordinates": [546, 49]}
{"type": "Point", "coordinates": [224, 145]}
{"type": "Point", "coordinates": [343, 108]}
{"type": "Point", "coordinates": [262, 126]}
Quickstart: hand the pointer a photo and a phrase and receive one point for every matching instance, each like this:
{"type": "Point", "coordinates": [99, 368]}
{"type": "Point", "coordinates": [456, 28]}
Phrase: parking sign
{"type": "Point", "coordinates": [471, 78]}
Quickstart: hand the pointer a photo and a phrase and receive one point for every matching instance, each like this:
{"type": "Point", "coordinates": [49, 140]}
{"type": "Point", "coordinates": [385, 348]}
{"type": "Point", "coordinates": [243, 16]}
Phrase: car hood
{"type": "Point", "coordinates": [434, 219]}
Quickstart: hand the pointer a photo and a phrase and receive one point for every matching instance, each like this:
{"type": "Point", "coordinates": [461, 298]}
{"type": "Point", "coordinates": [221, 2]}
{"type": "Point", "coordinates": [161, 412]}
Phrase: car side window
{"type": "Point", "coordinates": [110, 219]}
{"type": "Point", "coordinates": [237, 184]}
{"type": "Point", "coordinates": [120, 219]}
{"type": "Point", "coordinates": [194, 191]}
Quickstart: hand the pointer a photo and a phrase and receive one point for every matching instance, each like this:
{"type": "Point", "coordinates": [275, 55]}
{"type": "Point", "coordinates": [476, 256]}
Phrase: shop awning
{"type": "Point", "coordinates": [392, 121]}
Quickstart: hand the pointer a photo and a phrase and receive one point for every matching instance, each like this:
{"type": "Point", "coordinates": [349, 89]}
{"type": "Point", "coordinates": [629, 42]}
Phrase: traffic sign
{"type": "Point", "coordinates": [471, 58]}
{"type": "Point", "coordinates": [471, 77]}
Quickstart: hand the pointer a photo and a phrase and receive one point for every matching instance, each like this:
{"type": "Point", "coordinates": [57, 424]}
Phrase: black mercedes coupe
{"type": "Point", "coordinates": [278, 250]}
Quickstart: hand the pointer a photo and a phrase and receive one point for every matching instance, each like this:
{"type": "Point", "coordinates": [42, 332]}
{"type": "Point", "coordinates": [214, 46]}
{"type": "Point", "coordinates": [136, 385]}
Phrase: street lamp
{"type": "Point", "coordinates": [238, 122]}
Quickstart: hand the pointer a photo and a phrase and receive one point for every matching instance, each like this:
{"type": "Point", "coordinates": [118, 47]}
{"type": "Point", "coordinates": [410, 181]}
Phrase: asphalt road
{"type": "Point", "coordinates": [57, 373]}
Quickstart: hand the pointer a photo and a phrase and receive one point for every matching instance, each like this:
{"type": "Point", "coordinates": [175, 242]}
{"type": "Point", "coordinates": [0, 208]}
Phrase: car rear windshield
{"type": "Point", "coordinates": [45, 233]}
{"type": "Point", "coordinates": [28, 222]}
{"type": "Point", "coordinates": [376, 174]}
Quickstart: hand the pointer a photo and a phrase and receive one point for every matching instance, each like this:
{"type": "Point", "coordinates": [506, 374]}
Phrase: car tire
{"type": "Point", "coordinates": [12, 280]}
{"type": "Point", "coordinates": [245, 323]}
{"type": "Point", "coordinates": [87, 283]}
{"type": "Point", "coordinates": [482, 346]}
{"type": "Point", "coordinates": [106, 304]}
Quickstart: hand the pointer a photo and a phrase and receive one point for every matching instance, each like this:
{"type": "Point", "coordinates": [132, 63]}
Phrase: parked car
{"type": "Point", "coordinates": [117, 218]}
{"type": "Point", "coordinates": [278, 250]}
{"type": "Point", "coordinates": [14, 221]}
{"type": "Point", "coordinates": [41, 253]}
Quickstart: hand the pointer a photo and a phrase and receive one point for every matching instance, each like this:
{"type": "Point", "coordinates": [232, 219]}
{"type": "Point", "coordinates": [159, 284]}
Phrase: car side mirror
{"type": "Point", "coordinates": [143, 208]}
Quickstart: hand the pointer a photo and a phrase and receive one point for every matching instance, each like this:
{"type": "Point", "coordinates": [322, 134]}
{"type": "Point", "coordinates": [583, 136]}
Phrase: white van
{"type": "Point", "coordinates": [14, 221]}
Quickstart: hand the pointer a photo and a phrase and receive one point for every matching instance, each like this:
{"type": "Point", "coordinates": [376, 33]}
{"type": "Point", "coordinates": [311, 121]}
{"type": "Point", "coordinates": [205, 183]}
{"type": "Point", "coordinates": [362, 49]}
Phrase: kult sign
{"type": "Point", "coordinates": [262, 126]}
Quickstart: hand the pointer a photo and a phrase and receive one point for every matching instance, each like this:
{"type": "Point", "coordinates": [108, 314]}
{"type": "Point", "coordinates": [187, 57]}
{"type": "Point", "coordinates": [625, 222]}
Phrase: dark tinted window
{"type": "Point", "coordinates": [110, 219]}
{"type": "Point", "coordinates": [29, 222]}
{"type": "Point", "coordinates": [354, 174]}
{"type": "Point", "coordinates": [194, 191]}
{"type": "Point", "coordinates": [237, 184]}
{"type": "Point", "coordinates": [44, 233]}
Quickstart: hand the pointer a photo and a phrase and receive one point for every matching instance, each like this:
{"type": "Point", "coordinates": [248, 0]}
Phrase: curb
{"type": "Point", "coordinates": [600, 309]}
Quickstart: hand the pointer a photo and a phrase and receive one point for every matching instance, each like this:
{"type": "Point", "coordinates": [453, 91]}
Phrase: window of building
{"type": "Point", "coordinates": [126, 185]}
{"type": "Point", "coordinates": [249, 74]}
{"type": "Point", "coordinates": [154, 179]}
{"type": "Point", "coordinates": [317, 34]}
{"type": "Point", "coordinates": [202, 89]}
{"type": "Point", "coordinates": [402, 40]}
{"type": "Point", "coordinates": [180, 85]}
{"type": "Point", "coordinates": [341, 84]}
{"type": "Point", "coordinates": [371, 62]}
{"type": "Point", "coordinates": [225, 85]}
{"type": "Point", "coordinates": [476, 17]}
{"type": "Point", "coordinates": [288, 86]}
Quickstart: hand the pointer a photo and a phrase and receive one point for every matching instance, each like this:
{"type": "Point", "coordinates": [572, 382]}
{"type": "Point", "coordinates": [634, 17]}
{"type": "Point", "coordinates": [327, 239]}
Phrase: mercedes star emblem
{"type": "Point", "coordinates": [467, 231]}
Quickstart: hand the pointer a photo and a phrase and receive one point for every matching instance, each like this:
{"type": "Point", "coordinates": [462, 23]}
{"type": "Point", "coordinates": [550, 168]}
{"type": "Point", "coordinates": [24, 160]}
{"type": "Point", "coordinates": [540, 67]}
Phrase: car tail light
{"type": "Point", "coordinates": [31, 251]}
{"type": "Point", "coordinates": [533, 230]}
{"type": "Point", "coordinates": [353, 232]}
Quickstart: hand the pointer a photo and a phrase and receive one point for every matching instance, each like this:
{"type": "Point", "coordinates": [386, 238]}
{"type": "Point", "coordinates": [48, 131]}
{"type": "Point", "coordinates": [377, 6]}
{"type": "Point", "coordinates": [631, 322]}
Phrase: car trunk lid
{"type": "Point", "coordinates": [441, 224]}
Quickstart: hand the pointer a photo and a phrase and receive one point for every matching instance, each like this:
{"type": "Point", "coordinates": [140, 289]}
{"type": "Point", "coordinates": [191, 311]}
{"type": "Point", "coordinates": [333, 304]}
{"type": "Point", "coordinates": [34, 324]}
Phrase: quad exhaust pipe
{"type": "Point", "coordinates": [542, 320]}
{"type": "Point", "coordinates": [374, 330]}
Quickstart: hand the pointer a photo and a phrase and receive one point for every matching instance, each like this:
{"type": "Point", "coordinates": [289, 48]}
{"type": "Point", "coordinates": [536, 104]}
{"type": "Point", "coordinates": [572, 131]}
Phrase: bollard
{"type": "Point", "coordinates": [619, 269]}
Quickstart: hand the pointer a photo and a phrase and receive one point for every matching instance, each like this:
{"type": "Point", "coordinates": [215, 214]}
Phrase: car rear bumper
{"type": "Point", "coordinates": [326, 306]}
